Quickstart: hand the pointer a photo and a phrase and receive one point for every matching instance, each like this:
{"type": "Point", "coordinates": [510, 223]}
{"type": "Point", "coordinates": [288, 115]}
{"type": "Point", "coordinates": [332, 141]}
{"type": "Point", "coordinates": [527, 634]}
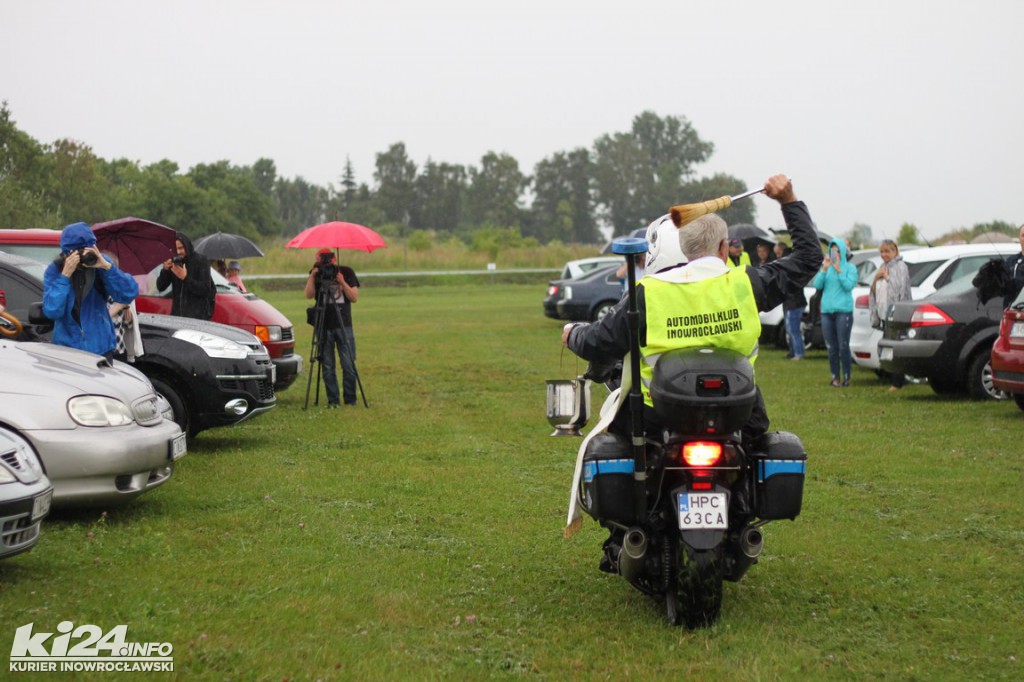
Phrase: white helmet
{"type": "Point", "coordinates": [663, 251]}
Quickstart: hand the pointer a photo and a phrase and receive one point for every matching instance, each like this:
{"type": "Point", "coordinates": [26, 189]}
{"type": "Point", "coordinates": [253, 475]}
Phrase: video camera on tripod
{"type": "Point", "coordinates": [327, 269]}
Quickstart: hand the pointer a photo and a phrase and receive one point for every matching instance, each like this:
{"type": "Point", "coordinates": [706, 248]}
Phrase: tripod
{"type": "Point", "coordinates": [327, 308]}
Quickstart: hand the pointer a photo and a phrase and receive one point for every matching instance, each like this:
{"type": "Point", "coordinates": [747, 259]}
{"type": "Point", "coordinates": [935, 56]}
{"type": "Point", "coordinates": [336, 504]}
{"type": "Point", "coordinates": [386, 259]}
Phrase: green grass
{"type": "Point", "coordinates": [421, 538]}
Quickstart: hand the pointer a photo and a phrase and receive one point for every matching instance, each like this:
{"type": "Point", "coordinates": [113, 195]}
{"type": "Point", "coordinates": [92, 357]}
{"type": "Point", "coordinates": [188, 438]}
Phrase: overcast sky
{"type": "Point", "coordinates": [883, 111]}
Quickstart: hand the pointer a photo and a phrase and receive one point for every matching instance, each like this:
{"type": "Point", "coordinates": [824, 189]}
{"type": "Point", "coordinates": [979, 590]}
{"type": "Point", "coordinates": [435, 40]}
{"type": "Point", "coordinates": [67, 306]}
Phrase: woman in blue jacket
{"type": "Point", "coordinates": [75, 292]}
{"type": "Point", "coordinates": [836, 281]}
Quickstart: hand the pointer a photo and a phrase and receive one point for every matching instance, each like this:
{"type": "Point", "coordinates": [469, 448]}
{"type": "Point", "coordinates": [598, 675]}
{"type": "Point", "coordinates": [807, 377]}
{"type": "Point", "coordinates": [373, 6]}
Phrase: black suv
{"type": "Point", "coordinates": [210, 373]}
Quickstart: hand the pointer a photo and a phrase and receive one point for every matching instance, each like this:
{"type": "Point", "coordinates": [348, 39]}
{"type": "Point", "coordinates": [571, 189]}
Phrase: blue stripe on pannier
{"type": "Point", "coordinates": [606, 466]}
{"type": "Point", "coordinates": [769, 467]}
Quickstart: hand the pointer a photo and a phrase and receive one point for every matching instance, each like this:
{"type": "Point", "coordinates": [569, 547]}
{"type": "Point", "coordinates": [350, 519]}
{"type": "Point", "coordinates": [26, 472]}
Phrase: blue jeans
{"type": "Point", "coordinates": [837, 327]}
{"type": "Point", "coordinates": [796, 337]}
{"type": "Point", "coordinates": [344, 340]}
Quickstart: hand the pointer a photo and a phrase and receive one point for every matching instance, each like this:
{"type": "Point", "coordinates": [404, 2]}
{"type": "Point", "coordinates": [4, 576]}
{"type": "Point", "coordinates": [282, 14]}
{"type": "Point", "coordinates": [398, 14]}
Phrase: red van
{"type": "Point", "coordinates": [245, 311]}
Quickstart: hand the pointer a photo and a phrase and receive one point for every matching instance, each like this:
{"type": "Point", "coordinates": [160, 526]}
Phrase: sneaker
{"type": "Point", "coordinates": [835, 383]}
{"type": "Point", "coordinates": [332, 406]}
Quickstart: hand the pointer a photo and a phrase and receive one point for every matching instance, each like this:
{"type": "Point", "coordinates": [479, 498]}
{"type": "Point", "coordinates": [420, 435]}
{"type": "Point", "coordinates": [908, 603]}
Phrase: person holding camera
{"type": "Point", "coordinates": [193, 293]}
{"type": "Point", "coordinates": [342, 291]}
{"type": "Point", "coordinates": [76, 287]}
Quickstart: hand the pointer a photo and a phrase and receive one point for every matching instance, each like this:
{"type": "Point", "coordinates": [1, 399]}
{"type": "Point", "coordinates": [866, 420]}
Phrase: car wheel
{"type": "Point", "coordinates": [182, 417]}
{"type": "Point", "coordinates": [979, 378]}
{"type": "Point", "coordinates": [601, 310]}
{"type": "Point", "coordinates": [1019, 399]}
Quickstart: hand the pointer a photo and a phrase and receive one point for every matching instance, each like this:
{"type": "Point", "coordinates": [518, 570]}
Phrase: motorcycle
{"type": "Point", "coordinates": [686, 506]}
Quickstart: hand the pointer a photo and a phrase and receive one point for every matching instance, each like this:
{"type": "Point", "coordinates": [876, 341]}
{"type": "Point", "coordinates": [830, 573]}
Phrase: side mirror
{"type": "Point", "coordinates": [37, 319]}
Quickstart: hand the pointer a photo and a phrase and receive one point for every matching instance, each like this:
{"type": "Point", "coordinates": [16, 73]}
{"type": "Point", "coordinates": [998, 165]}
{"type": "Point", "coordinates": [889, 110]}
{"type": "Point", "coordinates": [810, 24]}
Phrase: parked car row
{"type": "Point", "coordinates": [245, 311]}
{"type": "Point", "coordinates": [930, 269]}
{"type": "Point", "coordinates": [210, 374]}
{"type": "Point", "coordinates": [79, 430]}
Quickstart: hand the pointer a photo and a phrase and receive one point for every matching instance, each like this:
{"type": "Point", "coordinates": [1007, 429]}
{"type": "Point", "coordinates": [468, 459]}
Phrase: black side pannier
{"type": "Point", "coordinates": [607, 491]}
{"type": "Point", "coordinates": [780, 465]}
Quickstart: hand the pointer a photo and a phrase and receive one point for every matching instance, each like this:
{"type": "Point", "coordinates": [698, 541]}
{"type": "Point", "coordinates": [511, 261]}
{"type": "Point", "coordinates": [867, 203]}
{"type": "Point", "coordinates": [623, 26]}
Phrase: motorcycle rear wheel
{"type": "Point", "coordinates": [699, 585]}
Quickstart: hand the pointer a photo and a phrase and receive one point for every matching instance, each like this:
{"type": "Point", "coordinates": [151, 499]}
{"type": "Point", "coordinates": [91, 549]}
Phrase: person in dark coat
{"type": "Point", "coordinates": [1015, 264]}
{"type": "Point", "coordinates": [193, 292]}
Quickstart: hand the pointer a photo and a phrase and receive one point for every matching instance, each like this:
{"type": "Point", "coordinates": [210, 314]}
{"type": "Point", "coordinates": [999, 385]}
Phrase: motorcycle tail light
{"type": "Point", "coordinates": [702, 453]}
{"type": "Point", "coordinates": [928, 315]}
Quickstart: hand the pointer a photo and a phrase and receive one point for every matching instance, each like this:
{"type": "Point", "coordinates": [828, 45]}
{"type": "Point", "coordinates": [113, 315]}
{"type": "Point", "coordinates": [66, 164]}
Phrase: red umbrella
{"type": "Point", "coordinates": [337, 235]}
{"type": "Point", "coordinates": [140, 245]}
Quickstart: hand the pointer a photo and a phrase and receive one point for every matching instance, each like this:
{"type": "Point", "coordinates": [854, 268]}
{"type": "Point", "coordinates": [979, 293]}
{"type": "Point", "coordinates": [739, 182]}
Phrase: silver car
{"type": "Point", "coordinates": [101, 431]}
{"type": "Point", "coordinates": [25, 495]}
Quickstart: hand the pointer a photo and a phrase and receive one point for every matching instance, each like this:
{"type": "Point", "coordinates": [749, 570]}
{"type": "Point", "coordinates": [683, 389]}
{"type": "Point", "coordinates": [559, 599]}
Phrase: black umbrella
{"type": "Point", "coordinates": [745, 231]}
{"type": "Point", "coordinates": [222, 245]}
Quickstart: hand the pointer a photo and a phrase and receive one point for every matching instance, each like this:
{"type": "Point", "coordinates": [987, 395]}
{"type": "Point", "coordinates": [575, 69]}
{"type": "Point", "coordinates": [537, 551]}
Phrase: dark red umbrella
{"type": "Point", "coordinates": [139, 245]}
{"type": "Point", "coordinates": [337, 235]}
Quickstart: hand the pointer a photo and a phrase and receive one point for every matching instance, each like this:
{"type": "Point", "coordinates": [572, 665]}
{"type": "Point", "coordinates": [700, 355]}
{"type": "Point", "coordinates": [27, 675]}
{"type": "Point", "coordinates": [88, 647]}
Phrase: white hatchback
{"type": "Point", "coordinates": [929, 269]}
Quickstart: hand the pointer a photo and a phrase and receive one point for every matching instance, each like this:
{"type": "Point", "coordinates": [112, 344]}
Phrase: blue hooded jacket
{"type": "Point", "coordinates": [836, 287]}
{"type": "Point", "coordinates": [93, 330]}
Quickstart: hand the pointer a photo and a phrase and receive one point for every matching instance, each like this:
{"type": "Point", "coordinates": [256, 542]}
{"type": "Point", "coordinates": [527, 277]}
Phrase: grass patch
{"type": "Point", "coordinates": [421, 538]}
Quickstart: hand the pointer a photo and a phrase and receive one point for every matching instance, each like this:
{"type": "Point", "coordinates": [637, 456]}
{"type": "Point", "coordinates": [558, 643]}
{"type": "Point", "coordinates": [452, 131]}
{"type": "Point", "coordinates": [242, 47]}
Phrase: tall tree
{"type": "Point", "coordinates": [908, 234]}
{"type": "Point", "coordinates": [639, 174]}
{"type": "Point", "coordinates": [264, 175]}
{"type": "Point", "coordinates": [441, 190]}
{"type": "Point", "coordinates": [77, 184]}
{"type": "Point", "coordinates": [563, 204]}
{"type": "Point", "coordinates": [396, 176]}
{"type": "Point", "coordinates": [348, 185]}
{"type": "Point", "coordinates": [494, 191]}
{"type": "Point", "coordinates": [23, 173]}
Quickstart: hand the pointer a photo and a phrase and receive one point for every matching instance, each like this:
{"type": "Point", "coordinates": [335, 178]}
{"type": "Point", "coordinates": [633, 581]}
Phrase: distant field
{"type": "Point", "coordinates": [422, 538]}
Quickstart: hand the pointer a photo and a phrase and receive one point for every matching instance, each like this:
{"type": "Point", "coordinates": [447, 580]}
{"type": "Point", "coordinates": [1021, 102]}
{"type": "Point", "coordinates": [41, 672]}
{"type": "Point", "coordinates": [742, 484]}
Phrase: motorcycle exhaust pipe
{"type": "Point", "coordinates": [749, 545]}
{"type": "Point", "coordinates": [751, 542]}
{"type": "Point", "coordinates": [631, 558]}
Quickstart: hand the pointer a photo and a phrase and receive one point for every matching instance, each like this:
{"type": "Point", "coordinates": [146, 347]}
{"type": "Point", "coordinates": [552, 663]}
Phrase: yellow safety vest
{"type": "Point", "coordinates": [719, 312]}
{"type": "Point", "coordinates": [744, 260]}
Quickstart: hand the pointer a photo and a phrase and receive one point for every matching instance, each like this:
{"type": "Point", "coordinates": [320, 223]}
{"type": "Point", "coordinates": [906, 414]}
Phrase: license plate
{"type": "Point", "coordinates": [41, 505]}
{"type": "Point", "coordinates": [703, 511]}
{"type": "Point", "coordinates": [1017, 329]}
{"type": "Point", "coordinates": [885, 353]}
{"type": "Point", "coordinates": [178, 447]}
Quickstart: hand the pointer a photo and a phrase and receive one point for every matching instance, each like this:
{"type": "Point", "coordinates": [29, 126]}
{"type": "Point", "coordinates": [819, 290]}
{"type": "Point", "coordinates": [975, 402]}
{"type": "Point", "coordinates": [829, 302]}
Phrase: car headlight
{"type": "Point", "coordinates": [214, 346]}
{"type": "Point", "coordinates": [268, 333]}
{"type": "Point", "coordinates": [98, 410]}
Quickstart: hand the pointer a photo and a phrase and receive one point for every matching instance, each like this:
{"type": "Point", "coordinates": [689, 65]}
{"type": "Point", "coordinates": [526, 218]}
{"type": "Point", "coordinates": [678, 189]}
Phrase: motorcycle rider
{"type": "Point", "coordinates": [706, 289]}
{"type": "Point", "coordinates": [704, 303]}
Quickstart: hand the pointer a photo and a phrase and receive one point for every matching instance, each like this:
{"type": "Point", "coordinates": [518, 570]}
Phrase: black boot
{"type": "Point", "coordinates": [612, 547]}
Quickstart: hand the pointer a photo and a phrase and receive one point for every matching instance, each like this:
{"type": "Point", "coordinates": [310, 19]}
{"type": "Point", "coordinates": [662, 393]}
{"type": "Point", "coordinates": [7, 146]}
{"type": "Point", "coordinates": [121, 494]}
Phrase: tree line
{"type": "Point", "coordinates": [624, 180]}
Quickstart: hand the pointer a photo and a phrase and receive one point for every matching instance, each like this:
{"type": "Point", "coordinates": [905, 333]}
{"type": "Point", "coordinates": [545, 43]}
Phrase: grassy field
{"type": "Point", "coordinates": [422, 538]}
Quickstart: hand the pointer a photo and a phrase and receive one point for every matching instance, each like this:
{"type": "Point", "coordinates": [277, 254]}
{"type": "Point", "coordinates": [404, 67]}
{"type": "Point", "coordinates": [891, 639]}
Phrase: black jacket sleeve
{"type": "Point", "coordinates": [775, 281]}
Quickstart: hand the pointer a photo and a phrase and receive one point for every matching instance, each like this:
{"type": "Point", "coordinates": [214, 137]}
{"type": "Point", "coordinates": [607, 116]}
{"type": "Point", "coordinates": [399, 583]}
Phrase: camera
{"type": "Point", "coordinates": [86, 258]}
{"type": "Point", "coordinates": [178, 260]}
{"type": "Point", "coordinates": [328, 270]}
